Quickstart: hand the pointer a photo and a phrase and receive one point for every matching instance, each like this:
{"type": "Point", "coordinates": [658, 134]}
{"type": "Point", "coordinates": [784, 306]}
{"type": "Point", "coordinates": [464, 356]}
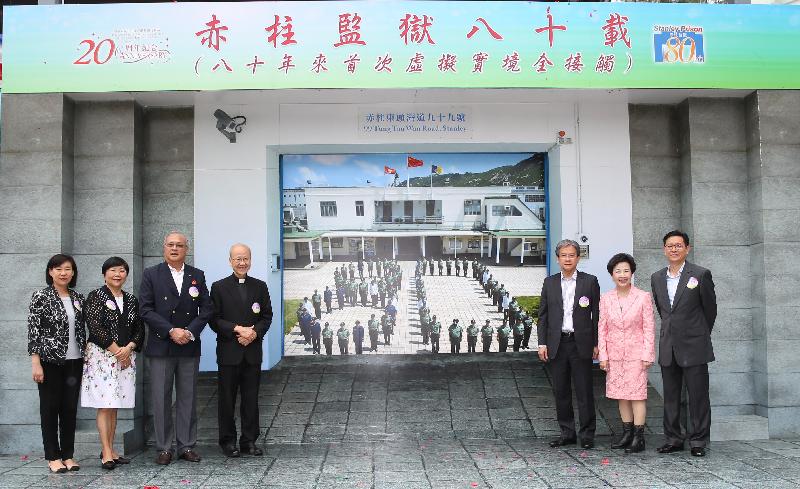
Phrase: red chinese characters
{"type": "Point", "coordinates": [550, 27]}
{"type": "Point", "coordinates": [384, 63]}
{"type": "Point", "coordinates": [351, 63]}
{"type": "Point", "coordinates": [286, 64]}
{"type": "Point", "coordinates": [615, 30]}
{"type": "Point", "coordinates": [605, 63]}
{"type": "Point", "coordinates": [492, 32]}
{"type": "Point", "coordinates": [574, 63]}
{"type": "Point", "coordinates": [542, 63]}
{"type": "Point", "coordinates": [478, 59]}
{"type": "Point", "coordinates": [319, 63]}
{"type": "Point", "coordinates": [447, 63]}
{"type": "Point", "coordinates": [255, 64]}
{"type": "Point", "coordinates": [415, 63]}
{"type": "Point", "coordinates": [511, 62]}
{"type": "Point", "coordinates": [415, 29]}
{"type": "Point", "coordinates": [280, 29]}
{"type": "Point", "coordinates": [213, 35]}
{"type": "Point", "coordinates": [349, 27]}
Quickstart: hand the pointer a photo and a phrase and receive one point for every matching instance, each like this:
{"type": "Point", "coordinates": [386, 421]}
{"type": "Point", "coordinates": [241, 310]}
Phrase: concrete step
{"type": "Point", "coordinates": [739, 427]}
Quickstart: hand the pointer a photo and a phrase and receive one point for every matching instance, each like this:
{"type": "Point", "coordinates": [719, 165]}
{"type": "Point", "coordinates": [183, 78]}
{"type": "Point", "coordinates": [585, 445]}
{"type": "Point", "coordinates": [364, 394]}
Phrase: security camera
{"type": "Point", "coordinates": [584, 238]}
{"type": "Point", "coordinates": [229, 126]}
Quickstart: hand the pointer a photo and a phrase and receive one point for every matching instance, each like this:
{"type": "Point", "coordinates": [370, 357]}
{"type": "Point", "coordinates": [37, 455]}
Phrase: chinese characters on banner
{"type": "Point", "coordinates": [413, 29]}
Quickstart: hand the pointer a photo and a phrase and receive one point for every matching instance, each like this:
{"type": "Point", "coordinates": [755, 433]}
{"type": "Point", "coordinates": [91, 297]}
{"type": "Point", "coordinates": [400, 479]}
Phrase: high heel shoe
{"type": "Point", "coordinates": [109, 465]}
{"type": "Point", "coordinates": [60, 470]}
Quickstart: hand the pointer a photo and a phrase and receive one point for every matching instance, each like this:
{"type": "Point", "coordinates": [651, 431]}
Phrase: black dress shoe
{"type": "Point", "coordinates": [698, 451]}
{"type": "Point", "coordinates": [587, 444]}
{"type": "Point", "coordinates": [230, 451]}
{"type": "Point", "coordinates": [252, 450]}
{"type": "Point", "coordinates": [669, 448]}
{"type": "Point", "coordinates": [122, 460]}
{"type": "Point", "coordinates": [560, 442]}
{"type": "Point", "coordinates": [164, 457]}
{"type": "Point", "coordinates": [190, 455]}
{"type": "Point", "coordinates": [109, 465]}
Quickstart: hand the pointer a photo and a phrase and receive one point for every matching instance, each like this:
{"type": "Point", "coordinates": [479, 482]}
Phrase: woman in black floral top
{"type": "Point", "coordinates": [116, 333]}
{"type": "Point", "coordinates": [56, 338]}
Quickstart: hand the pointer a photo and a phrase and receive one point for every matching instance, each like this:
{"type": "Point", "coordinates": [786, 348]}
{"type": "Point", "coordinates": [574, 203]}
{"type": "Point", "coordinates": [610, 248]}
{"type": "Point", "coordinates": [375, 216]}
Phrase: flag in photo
{"type": "Point", "coordinates": [413, 162]}
{"type": "Point", "coordinates": [389, 171]}
{"type": "Point", "coordinates": [437, 169]}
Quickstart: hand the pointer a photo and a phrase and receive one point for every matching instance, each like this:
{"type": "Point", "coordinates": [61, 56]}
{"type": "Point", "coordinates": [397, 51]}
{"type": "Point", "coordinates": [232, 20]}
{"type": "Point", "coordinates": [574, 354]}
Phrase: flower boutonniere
{"type": "Point", "coordinates": [76, 304]}
{"type": "Point", "coordinates": [256, 308]}
{"type": "Point", "coordinates": [193, 291]}
{"type": "Point", "coordinates": [583, 301]}
{"type": "Point", "coordinates": [692, 283]}
{"type": "Point", "coordinates": [110, 304]}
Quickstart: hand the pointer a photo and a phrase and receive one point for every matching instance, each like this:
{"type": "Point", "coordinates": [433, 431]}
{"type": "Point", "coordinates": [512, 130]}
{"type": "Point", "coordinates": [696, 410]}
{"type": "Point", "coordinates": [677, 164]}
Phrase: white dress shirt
{"type": "Point", "coordinates": [568, 300]}
{"type": "Point", "coordinates": [177, 276]}
{"type": "Point", "coordinates": [672, 283]}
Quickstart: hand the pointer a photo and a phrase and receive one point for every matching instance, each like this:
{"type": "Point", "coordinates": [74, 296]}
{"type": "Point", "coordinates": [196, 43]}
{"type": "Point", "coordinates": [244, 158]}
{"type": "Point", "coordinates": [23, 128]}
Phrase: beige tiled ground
{"type": "Point", "coordinates": [448, 297]}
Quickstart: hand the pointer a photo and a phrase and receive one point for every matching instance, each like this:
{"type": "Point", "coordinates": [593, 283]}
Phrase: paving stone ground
{"type": "Point", "coordinates": [449, 297]}
{"type": "Point", "coordinates": [409, 421]}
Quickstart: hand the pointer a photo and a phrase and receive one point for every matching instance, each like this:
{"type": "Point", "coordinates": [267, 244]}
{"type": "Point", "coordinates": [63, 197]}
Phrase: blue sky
{"type": "Point", "coordinates": [354, 170]}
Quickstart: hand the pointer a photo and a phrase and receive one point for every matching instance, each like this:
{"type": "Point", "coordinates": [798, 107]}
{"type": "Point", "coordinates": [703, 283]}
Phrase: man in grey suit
{"type": "Point", "coordinates": [567, 329]}
{"type": "Point", "coordinates": [175, 305]}
{"type": "Point", "coordinates": [685, 300]}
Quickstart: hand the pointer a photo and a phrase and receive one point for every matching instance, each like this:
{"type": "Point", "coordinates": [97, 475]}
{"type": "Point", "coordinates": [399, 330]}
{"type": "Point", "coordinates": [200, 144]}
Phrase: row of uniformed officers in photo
{"type": "Point", "coordinates": [85, 350]}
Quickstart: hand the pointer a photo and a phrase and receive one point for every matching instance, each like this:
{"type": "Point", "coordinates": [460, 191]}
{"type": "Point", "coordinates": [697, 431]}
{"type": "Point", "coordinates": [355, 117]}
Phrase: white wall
{"type": "Point", "coordinates": [237, 187]}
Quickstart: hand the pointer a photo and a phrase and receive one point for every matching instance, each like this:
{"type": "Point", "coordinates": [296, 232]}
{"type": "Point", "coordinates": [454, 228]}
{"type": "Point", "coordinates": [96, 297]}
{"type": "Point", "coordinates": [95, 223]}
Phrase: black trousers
{"type": "Point", "coordinates": [526, 338]}
{"type": "Point", "coordinates": [315, 344]}
{"type": "Point", "coordinates": [425, 334]}
{"type": "Point", "coordinates": [471, 342]}
{"type": "Point", "coordinates": [502, 343]}
{"type": "Point", "coordinates": [374, 300]}
{"type": "Point", "coordinates": [231, 380]}
{"type": "Point", "coordinates": [343, 347]}
{"type": "Point", "coordinates": [517, 342]}
{"type": "Point", "coordinates": [567, 369]}
{"type": "Point", "coordinates": [696, 378]}
{"type": "Point", "coordinates": [328, 342]}
{"type": "Point", "coordinates": [318, 311]}
{"type": "Point", "coordinates": [58, 407]}
{"type": "Point", "coordinates": [373, 340]}
{"type": "Point", "coordinates": [435, 343]}
{"type": "Point", "coordinates": [383, 300]}
{"type": "Point", "coordinates": [487, 343]}
{"type": "Point", "coordinates": [387, 337]}
{"type": "Point", "coordinates": [455, 345]}
{"type": "Point", "coordinates": [431, 269]}
{"type": "Point", "coordinates": [328, 306]}
{"type": "Point", "coordinates": [340, 300]}
{"type": "Point", "coordinates": [359, 347]}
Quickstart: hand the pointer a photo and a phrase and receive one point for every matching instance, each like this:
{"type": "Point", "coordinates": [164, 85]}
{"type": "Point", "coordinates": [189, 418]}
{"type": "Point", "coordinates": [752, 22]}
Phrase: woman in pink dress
{"type": "Point", "coordinates": [626, 340]}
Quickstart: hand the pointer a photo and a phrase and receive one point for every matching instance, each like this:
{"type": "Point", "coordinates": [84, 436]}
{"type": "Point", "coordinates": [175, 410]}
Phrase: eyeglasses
{"type": "Point", "coordinates": [240, 260]}
{"type": "Point", "coordinates": [174, 245]}
{"type": "Point", "coordinates": [674, 247]}
{"type": "Point", "coordinates": [568, 255]}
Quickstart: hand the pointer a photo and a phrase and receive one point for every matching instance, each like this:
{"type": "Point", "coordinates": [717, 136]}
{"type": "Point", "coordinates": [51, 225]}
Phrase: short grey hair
{"type": "Point", "coordinates": [176, 233]}
{"type": "Point", "coordinates": [568, 242]}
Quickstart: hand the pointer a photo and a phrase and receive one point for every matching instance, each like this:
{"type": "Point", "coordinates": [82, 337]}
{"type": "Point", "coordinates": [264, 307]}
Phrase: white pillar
{"type": "Point", "coordinates": [321, 249]}
{"type": "Point", "coordinates": [363, 251]}
{"type": "Point", "coordinates": [422, 238]}
{"type": "Point", "coordinates": [310, 251]}
{"type": "Point", "coordinates": [522, 252]}
{"type": "Point", "coordinates": [455, 247]}
{"type": "Point", "coordinates": [393, 247]}
{"type": "Point", "coordinates": [330, 250]}
{"type": "Point", "coordinates": [481, 246]}
{"type": "Point", "coordinates": [497, 260]}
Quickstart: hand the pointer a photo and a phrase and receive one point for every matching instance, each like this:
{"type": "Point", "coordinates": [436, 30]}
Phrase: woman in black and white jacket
{"type": "Point", "coordinates": [56, 341]}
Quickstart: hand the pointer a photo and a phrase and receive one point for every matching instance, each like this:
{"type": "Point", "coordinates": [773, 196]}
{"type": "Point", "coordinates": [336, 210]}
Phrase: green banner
{"type": "Point", "coordinates": [272, 45]}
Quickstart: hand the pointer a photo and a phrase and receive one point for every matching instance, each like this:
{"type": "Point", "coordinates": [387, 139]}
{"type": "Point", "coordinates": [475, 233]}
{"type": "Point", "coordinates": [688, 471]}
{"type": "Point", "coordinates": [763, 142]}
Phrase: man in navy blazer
{"type": "Point", "coordinates": [175, 305]}
{"type": "Point", "coordinates": [687, 304]}
{"type": "Point", "coordinates": [567, 330]}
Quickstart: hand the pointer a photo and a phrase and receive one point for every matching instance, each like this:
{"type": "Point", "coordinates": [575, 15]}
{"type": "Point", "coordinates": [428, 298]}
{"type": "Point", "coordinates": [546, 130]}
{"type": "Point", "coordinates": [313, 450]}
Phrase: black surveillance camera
{"type": "Point", "coordinates": [229, 126]}
{"type": "Point", "coordinates": [584, 238]}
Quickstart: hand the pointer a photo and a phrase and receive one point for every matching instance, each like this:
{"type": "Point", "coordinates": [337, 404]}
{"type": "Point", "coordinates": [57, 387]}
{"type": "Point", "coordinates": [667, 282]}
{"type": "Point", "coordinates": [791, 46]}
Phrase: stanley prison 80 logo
{"type": "Point", "coordinates": [678, 44]}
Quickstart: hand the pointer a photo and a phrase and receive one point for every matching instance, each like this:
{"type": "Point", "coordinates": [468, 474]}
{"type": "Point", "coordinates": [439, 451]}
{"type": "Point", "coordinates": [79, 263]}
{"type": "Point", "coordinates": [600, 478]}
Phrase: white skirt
{"type": "Point", "coordinates": [105, 384]}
